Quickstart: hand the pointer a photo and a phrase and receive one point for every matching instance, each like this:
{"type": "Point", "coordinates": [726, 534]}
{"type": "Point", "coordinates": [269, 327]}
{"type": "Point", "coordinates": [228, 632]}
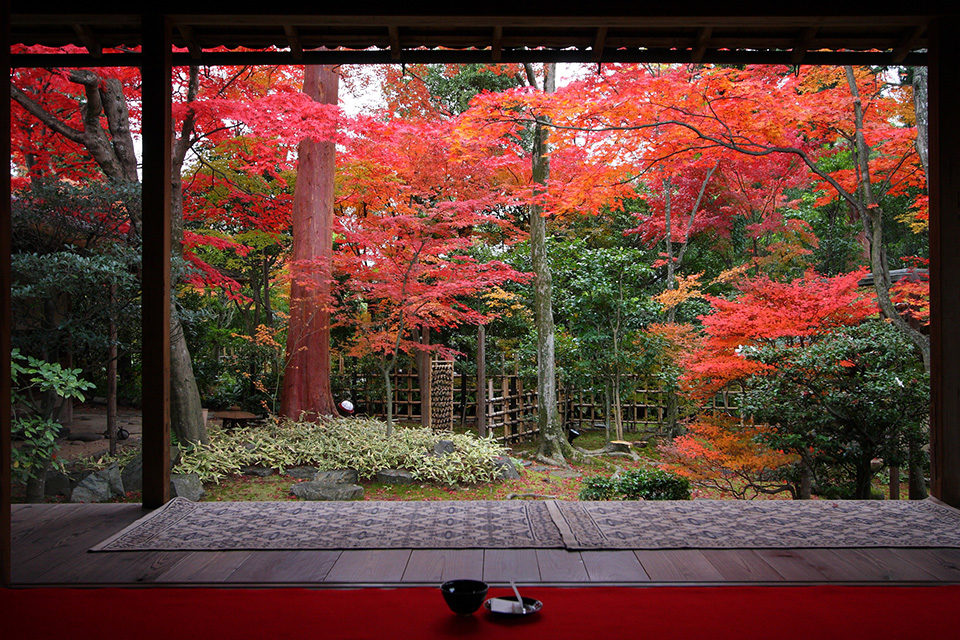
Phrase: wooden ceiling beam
{"type": "Point", "coordinates": [293, 39]}
{"type": "Point", "coordinates": [394, 32]}
{"type": "Point", "coordinates": [190, 39]}
{"type": "Point", "coordinates": [679, 22]}
{"type": "Point", "coordinates": [599, 43]}
{"type": "Point", "coordinates": [700, 45]}
{"type": "Point", "coordinates": [468, 56]}
{"type": "Point", "coordinates": [496, 43]}
{"type": "Point", "coordinates": [89, 40]}
{"type": "Point", "coordinates": [907, 43]}
{"type": "Point", "coordinates": [803, 44]}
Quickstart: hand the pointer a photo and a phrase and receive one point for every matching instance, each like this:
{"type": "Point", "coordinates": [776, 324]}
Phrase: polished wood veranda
{"type": "Point", "coordinates": [50, 543]}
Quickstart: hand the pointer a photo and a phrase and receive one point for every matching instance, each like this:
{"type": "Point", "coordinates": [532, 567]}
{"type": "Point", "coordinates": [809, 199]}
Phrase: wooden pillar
{"type": "Point", "coordinates": [156, 260]}
{"type": "Point", "coordinates": [5, 317]}
{"type": "Point", "coordinates": [482, 381]}
{"type": "Point", "coordinates": [944, 133]}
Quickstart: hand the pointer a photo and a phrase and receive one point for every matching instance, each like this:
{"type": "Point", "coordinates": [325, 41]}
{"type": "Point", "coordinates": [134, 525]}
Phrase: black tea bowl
{"type": "Point", "coordinates": [464, 596]}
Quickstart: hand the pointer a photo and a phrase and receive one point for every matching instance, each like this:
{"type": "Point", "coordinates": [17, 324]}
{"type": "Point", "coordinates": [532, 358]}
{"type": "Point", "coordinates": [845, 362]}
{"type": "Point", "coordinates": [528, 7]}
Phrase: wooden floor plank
{"type": "Point", "coordinates": [792, 565]}
{"type": "Point", "coordinates": [51, 542]}
{"type": "Point", "coordinates": [677, 565]}
{"type": "Point", "coordinates": [369, 566]}
{"type": "Point", "coordinates": [68, 540]}
{"type": "Point", "coordinates": [560, 565]}
{"type": "Point", "coordinates": [203, 567]}
{"type": "Point", "coordinates": [115, 567]}
{"type": "Point", "coordinates": [741, 565]}
{"type": "Point", "coordinates": [839, 565]}
{"type": "Point", "coordinates": [293, 567]}
{"type": "Point", "coordinates": [936, 562]}
{"type": "Point", "coordinates": [439, 565]}
{"type": "Point", "coordinates": [503, 565]}
{"type": "Point", "coordinates": [49, 521]}
{"type": "Point", "coordinates": [897, 568]}
{"type": "Point", "coordinates": [613, 566]}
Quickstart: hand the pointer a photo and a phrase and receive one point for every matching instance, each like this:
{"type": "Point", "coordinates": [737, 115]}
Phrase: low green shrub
{"type": "Point", "coordinates": [637, 484]}
{"type": "Point", "coordinates": [343, 443]}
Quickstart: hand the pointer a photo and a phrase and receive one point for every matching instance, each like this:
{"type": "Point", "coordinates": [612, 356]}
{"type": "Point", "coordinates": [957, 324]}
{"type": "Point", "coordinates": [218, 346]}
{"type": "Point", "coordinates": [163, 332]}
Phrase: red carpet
{"type": "Point", "coordinates": [818, 612]}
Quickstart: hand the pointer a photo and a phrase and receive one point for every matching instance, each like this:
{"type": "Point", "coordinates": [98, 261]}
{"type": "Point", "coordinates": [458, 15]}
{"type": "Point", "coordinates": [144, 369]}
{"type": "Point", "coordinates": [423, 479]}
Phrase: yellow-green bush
{"type": "Point", "coordinates": [343, 443]}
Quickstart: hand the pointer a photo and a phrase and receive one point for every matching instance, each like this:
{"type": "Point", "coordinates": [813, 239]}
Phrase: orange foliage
{"type": "Point", "coordinates": [718, 452]}
{"type": "Point", "coordinates": [768, 311]}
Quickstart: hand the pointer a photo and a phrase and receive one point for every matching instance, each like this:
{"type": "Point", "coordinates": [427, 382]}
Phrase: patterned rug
{"type": "Point", "coordinates": [732, 524]}
{"type": "Point", "coordinates": [182, 525]}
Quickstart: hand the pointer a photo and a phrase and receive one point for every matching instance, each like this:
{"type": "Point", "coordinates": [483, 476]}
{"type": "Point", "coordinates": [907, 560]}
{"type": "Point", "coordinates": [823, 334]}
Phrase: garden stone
{"type": "Point", "coordinates": [132, 474]}
{"type": "Point", "coordinates": [57, 483]}
{"type": "Point", "coordinates": [315, 490]}
{"type": "Point", "coordinates": [395, 476]}
{"type": "Point", "coordinates": [565, 473]}
{"type": "Point", "coordinates": [186, 485]}
{"type": "Point", "coordinates": [444, 447]}
{"type": "Point", "coordinates": [114, 479]}
{"type": "Point", "coordinates": [301, 473]}
{"type": "Point", "coordinates": [260, 472]}
{"type": "Point", "coordinates": [505, 468]}
{"type": "Point", "coordinates": [618, 446]}
{"type": "Point", "coordinates": [338, 476]}
{"type": "Point", "coordinates": [99, 486]}
{"type": "Point", "coordinates": [174, 456]}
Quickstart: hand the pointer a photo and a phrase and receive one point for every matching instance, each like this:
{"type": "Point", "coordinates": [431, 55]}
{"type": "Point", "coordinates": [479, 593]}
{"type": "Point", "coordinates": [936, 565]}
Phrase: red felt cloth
{"type": "Point", "coordinates": [588, 613]}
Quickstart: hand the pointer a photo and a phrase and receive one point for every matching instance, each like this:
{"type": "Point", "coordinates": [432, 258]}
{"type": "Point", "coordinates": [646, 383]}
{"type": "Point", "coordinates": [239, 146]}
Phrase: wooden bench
{"type": "Point", "coordinates": [234, 419]}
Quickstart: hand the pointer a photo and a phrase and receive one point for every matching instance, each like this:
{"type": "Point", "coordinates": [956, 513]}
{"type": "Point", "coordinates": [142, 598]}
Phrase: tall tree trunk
{"type": "Point", "coordinates": [306, 380]}
{"type": "Point", "coordinates": [863, 476]}
{"type": "Point", "coordinates": [553, 446]}
{"type": "Point", "coordinates": [388, 387]}
{"type": "Point", "coordinates": [606, 409]}
{"type": "Point", "coordinates": [872, 215]}
{"type": "Point", "coordinates": [112, 374]}
{"type": "Point", "coordinates": [922, 119]}
{"type": "Point", "coordinates": [113, 149]}
{"type": "Point", "coordinates": [482, 381]}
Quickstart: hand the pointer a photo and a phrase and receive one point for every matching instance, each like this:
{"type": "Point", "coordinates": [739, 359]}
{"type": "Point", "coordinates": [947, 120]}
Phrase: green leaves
{"type": "Point", "coordinates": [637, 484]}
{"type": "Point", "coordinates": [344, 443]}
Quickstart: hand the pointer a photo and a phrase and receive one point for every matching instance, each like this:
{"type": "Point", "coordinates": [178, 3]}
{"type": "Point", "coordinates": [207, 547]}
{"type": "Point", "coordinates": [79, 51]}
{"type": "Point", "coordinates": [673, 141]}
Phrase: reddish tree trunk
{"type": "Point", "coordinates": [306, 380]}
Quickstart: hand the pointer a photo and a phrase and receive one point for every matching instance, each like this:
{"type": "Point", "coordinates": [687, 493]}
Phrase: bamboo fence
{"type": "Point", "coordinates": [511, 403]}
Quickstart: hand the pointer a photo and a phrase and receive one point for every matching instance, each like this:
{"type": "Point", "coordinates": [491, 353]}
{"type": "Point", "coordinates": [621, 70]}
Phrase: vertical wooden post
{"type": "Point", "coordinates": [5, 282]}
{"type": "Point", "coordinates": [157, 134]}
{"type": "Point", "coordinates": [944, 133]}
{"type": "Point", "coordinates": [482, 381]}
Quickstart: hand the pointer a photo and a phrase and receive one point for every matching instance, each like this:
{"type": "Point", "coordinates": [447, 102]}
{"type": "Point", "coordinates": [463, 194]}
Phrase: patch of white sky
{"type": "Point", "coordinates": [363, 95]}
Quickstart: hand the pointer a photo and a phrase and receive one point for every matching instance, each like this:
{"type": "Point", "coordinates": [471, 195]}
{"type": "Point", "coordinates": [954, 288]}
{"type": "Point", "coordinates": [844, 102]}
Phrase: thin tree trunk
{"type": "Point", "coordinates": [606, 409]}
{"type": "Point", "coordinates": [482, 381]}
{"type": "Point", "coordinates": [553, 447]}
{"type": "Point", "coordinates": [112, 374]}
{"type": "Point", "coordinates": [922, 118]}
{"type": "Point", "coordinates": [894, 482]}
{"type": "Point", "coordinates": [863, 476]}
{"type": "Point", "coordinates": [806, 481]}
{"type": "Point", "coordinates": [871, 212]}
{"type": "Point", "coordinates": [306, 380]}
{"type": "Point", "coordinates": [917, 486]}
{"type": "Point", "coordinates": [388, 386]}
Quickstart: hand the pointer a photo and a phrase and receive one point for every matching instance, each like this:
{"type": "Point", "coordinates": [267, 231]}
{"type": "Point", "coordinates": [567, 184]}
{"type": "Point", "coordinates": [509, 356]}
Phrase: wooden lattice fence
{"type": "Point", "coordinates": [511, 402]}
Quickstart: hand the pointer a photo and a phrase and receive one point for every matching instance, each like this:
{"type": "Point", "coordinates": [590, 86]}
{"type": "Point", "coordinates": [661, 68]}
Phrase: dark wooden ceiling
{"type": "Point", "coordinates": [602, 31]}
